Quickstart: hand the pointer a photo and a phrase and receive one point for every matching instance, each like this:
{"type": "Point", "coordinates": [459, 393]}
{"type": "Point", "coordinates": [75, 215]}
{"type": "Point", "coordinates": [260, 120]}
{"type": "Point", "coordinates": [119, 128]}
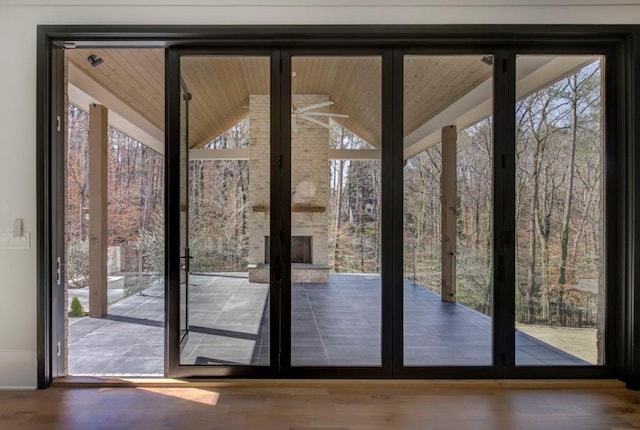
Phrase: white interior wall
{"type": "Point", "coordinates": [18, 21]}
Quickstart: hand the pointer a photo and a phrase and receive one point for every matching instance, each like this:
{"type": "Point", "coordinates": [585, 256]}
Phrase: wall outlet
{"type": "Point", "coordinates": [9, 241]}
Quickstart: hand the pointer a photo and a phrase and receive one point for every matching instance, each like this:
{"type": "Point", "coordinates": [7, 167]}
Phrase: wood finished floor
{"type": "Point", "coordinates": [346, 405]}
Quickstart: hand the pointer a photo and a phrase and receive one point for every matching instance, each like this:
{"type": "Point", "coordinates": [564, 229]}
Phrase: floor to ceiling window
{"type": "Point", "coordinates": [114, 213]}
{"type": "Point", "coordinates": [335, 211]}
{"type": "Point", "coordinates": [225, 129]}
{"type": "Point", "coordinates": [343, 212]}
{"type": "Point", "coordinates": [448, 173]}
{"type": "Point", "coordinates": [560, 286]}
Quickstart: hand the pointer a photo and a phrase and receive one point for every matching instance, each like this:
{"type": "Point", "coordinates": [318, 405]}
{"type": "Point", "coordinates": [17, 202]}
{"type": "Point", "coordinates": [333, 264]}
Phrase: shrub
{"type": "Point", "coordinates": [153, 245]}
{"type": "Point", "coordinates": [77, 310]}
{"type": "Point", "coordinates": [77, 263]}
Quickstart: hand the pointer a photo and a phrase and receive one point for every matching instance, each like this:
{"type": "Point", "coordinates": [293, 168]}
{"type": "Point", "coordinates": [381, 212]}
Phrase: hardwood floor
{"type": "Point", "coordinates": [328, 405]}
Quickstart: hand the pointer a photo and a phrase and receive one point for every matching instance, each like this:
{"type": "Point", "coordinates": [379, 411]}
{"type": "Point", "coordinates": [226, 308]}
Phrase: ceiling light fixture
{"type": "Point", "coordinates": [94, 60]}
{"type": "Point", "coordinates": [487, 59]}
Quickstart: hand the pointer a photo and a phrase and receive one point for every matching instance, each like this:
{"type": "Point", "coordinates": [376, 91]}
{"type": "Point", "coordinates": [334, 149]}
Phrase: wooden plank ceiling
{"type": "Point", "coordinates": [135, 76]}
{"type": "Point", "coordinates": [221, 86]}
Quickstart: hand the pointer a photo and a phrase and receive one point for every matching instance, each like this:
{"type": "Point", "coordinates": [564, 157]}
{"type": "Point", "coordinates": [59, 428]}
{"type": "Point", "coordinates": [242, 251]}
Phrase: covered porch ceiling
{"type": "Point", "coordinates": [438, 90]}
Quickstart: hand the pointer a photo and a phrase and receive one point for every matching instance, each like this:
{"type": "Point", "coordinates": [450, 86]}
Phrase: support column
{"type": "Point", "coordinates": [98, 123]}
{"type": "Point", "coordinates": [448, 195]}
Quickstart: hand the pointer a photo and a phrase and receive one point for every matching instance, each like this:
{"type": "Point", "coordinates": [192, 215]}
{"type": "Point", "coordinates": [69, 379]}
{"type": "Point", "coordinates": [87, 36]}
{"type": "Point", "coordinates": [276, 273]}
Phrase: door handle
{"type": "Point", "coordinates": [187, 257]}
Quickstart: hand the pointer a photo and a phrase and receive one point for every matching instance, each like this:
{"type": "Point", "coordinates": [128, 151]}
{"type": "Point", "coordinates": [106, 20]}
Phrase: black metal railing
{"type": "Point", "coordinates": [554, 315]}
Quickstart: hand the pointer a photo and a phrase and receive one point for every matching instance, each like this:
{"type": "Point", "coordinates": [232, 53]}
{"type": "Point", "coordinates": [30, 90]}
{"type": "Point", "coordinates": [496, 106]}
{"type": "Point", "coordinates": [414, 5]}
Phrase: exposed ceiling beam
{"type": "Point", "coordinates": [533, 73]}
{"type": "Point", "coordinates": [354, 154]}
{"type": "Point", "coordinates": [219, 154]}
{"type": "Point", "coordinates": [243, 154]}
{"type": "Point", "coordinates": [83, 91]}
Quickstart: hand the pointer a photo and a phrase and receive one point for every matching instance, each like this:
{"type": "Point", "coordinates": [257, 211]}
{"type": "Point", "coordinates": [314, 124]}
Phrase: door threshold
{"type": "Point", "coordinates": [160, 382]}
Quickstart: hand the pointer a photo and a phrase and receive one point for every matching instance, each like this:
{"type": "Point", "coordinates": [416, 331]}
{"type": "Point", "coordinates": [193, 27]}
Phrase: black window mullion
{"type": "Point", "coordinates": [172, 212]}
{"type": "Point", "coordinates": [391, 215]}
{"type": "Point", "coordinates": [396, 217]}
{"type": "Point", "coordinates": [628, 296]}
{"type": "Point", "coordinates": [504, 197]}
{"type": "Point", "coordinates": [620, 195]}
{"type": "Point", "coordinates": [281, 201]}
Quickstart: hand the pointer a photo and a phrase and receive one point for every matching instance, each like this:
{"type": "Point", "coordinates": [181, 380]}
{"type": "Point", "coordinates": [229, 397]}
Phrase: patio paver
{"type": "Point", "coordinates": [335, 324]}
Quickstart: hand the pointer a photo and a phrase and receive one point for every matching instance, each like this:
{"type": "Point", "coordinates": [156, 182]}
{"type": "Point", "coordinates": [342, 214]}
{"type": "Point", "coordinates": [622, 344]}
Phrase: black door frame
{"type": "Point", "coordinates": [621, 43]}
{"type": "Point", "coordinates": [50, 185]}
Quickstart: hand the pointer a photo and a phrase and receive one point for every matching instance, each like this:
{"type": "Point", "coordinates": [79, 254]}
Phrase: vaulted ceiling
{"type": "Point", "coordinates": [220, 86]}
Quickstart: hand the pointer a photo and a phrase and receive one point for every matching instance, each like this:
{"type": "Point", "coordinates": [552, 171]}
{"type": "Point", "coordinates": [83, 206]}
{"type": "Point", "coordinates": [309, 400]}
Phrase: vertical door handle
{"type": "Point", "coordinates": [187, 257]}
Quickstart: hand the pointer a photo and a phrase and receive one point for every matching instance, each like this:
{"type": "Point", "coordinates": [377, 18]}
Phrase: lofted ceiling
{"type": "Point", "coordinates": [220, 86]}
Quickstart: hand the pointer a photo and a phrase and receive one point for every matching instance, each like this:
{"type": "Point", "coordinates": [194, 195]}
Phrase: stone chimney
{"type": "Point", "coordinates": [309, 194]}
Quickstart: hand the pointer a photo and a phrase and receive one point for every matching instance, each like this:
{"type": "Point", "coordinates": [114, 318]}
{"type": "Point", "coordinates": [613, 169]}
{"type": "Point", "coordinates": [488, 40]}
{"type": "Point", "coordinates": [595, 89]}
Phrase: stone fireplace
{"type": "Point", "coordinates": [309, 194]}
{"type": "Point", "coordinates": [301, 250]}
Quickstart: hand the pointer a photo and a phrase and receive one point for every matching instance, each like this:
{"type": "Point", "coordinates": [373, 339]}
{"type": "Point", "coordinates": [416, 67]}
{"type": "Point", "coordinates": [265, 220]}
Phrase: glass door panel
{"type": "Point", "coordinates": [448, 175]}
{"type": "Point", "coordinates": [336, 289]}
{"type": "Point", "coordinates": [335, 220]}
{"type": "Point", "coordinates": [227, 207]}
{"type": "Point", "coordinates": [560, 289]}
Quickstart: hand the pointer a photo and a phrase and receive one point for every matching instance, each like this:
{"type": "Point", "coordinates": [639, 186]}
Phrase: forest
{"type": "Point", "coordinates": [135, 202]}
{"type": "Point", "coordinates": [559, 203]}
{"type": "Point", "coordinates": [558, 207]}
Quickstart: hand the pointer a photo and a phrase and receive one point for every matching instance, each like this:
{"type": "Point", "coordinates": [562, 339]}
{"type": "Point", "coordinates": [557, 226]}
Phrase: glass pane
{"type": "Point", "coordinates": [335, 220]}
{"type": "Point", "coordinates": [448, 152]}
{"type": "Point", "coordinates": [228, 201]}
{"type": "Point", "coordinates": [560, 278]}
{"type": "Point", "coordinates": [114, 321]}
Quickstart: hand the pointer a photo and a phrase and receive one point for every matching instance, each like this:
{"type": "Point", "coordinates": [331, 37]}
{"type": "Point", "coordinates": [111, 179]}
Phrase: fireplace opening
{"type": "Point", "coordinates": [300, 249]}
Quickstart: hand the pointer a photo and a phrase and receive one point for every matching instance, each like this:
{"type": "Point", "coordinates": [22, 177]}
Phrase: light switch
{"type": "Point", "coordinates": [9, 241]}
{"type": "Point", "coordinates": [17, 227]}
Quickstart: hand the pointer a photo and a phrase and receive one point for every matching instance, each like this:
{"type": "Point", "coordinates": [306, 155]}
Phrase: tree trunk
{"type": "Point", "coordinates": [338, 222]}
{"type": "Point", "coordinates": [533, 227]}
{"type": "Point", "coordinates": [566, 216]}
{"type": "Point", "coordinates": [531, 272]}
{"type": "Point", "coordinates": [84, 200]}
{"type": "Point", "coordinates": [545, 290]}
{"type": "Point", "coordinates": [488, 270]}
{"type": "Point", "coordinates": [339, 192]}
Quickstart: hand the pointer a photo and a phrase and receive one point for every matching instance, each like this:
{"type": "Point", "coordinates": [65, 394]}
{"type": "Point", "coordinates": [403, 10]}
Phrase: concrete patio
{"type": "Point", "coordinates": [335, 324]}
